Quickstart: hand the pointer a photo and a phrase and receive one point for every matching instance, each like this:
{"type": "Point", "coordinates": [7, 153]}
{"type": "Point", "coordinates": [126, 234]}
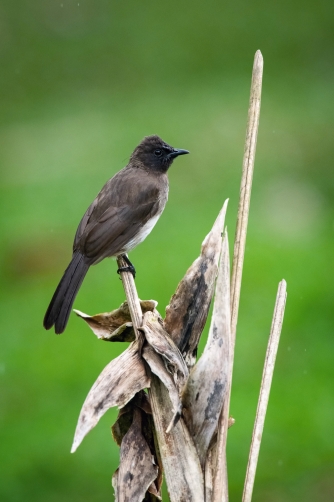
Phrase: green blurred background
{"type": "Point", "coordinates": [81, 83]}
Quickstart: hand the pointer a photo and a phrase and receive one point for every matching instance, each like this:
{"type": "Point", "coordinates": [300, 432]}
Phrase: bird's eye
{"type": "Point", "coordinates": [158, 152]}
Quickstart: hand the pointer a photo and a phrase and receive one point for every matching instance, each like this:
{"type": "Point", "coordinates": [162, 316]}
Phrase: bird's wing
{"type": "Point", "coordinates": [114, 229]}
{"type": "Point", "coordinates": [125, 203]}
{"type": "Point", "coordinates": [83, 224]}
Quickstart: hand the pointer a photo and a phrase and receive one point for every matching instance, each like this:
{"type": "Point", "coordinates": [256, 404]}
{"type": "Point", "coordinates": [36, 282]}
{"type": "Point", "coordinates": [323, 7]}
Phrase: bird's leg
{"type": "Point", "coordinates": [129, 268]}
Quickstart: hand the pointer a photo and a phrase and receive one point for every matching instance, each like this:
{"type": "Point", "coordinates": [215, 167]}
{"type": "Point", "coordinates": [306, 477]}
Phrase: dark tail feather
{"type": "Point", "coordinates": [60, 306]}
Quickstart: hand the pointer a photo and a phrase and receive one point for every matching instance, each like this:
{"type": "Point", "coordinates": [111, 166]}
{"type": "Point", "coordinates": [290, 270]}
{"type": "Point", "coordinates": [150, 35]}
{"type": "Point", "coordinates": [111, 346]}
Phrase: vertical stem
{"type": "Point", "coordinates": [132, 298]}
{"type": "Point", "coordinates": [267, 376]}
{"type": "Point", "coordinates": [239, 247]}
{"type": "Point", "coordinates": [245, 189]}
{"type": "Point", "coordinates": [220, 488]}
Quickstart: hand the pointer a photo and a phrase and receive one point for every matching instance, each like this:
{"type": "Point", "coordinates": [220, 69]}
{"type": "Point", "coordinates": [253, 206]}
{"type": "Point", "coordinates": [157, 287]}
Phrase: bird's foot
{"type": "Point", "coordinates": [129, 268]}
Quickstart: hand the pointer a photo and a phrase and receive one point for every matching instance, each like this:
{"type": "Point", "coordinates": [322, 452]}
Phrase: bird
{"type": "Point", "coordinates": [120, 217]}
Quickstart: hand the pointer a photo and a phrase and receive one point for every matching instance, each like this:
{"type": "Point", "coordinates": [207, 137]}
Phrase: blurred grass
{"type": "Point", "coordinates": [80, 86]}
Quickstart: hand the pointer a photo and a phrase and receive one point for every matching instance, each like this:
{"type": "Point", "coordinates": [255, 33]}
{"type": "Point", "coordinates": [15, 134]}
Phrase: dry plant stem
{"type": "Point", "coordinates": [246, 186]}
{"type": "Point", "coordinates": [238, 260]}
{"type": "Point", "coordinates": [220, 488]}
{"type": "Point", "coordinates": [267, 376]}
{"type": "Point", "coordinates": [132, 298]}
{"type": "Point", "coordinates": [182, 469]}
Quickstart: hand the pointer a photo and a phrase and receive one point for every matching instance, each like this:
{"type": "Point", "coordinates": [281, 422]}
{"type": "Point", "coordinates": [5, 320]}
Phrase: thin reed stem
{"type": "Point", "coordinates": [267, 376]}
{"type": "Point", "coordinates": [246, 187]}
{"type": "Point", "coordinates": [240, 243]}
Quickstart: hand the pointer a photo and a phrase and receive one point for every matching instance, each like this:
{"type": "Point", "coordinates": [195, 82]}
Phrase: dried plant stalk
{"type": "Point", "coordinates": [267, 376]}
{"type": "Point", "coordinates": [132, 297]}
{"type": "Point", "coordinates": [220, 468]}
{"type": "Point", "coordinates": [179, 457]}
{"type": "Point", "coordinates": [246, 187]}
{"type": "Point", "coordinates": [217, 460]}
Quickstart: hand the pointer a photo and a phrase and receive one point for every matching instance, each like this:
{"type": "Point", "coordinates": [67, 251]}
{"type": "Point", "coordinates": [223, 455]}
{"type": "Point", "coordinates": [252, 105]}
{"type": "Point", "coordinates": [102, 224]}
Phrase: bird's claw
{"type": "Point", "coordinates": [129, 268]}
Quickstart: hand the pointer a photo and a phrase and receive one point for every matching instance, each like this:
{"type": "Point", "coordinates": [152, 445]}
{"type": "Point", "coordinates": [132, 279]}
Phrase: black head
{"type": "Point", "coordinates": [155, 154]}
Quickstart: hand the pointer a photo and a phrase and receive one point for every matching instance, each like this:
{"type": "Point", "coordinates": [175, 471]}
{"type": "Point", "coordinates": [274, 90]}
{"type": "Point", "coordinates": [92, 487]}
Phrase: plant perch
{"type": "Point", "coordinates": [174, 408]}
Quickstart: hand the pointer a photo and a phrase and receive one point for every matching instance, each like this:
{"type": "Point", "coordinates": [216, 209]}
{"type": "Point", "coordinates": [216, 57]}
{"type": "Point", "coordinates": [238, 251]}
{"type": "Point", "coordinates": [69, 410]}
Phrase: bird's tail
{"type": "Point", "coordinates": [60, 306]}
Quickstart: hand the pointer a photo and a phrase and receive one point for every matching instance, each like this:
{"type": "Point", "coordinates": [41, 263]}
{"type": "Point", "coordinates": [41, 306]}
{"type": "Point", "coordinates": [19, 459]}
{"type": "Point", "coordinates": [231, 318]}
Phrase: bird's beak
{"type": "Point", "coordinates": [176, 152]}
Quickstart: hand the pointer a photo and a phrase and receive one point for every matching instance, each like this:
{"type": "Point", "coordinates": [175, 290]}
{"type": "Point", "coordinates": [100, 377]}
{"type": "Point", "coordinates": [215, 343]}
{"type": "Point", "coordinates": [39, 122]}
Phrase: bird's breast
{"type": "Point", "coordinates": [142, 234]}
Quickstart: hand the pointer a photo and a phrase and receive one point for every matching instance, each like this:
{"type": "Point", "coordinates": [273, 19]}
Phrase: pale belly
{"type": "Point", "coordinates": [141, 235]}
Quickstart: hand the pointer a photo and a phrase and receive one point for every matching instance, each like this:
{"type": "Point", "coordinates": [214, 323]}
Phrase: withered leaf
{"type": "Point", "coordinates": [116, 385]}
{"type": "Point", "coordinates": [155, 494]}
{"type": "Point", "coordinates": [124, 333]}
{"type": "Point", "coordinates": [123, 423]}
{"type": "Point", "coordinates": [206, 387]}
{"type": "Point", "coordinates": [125, 417]}
{"type": "Point", "coordinates": [182, 469]}
{"type": "Point", "coordinates": [122, 426]}
{"type": "Point", "coordinates": [188, 309]}
{"type": "Point", "coordinates": [157, 366]}
{"type": "Point", "coordinates": [162, 343]}
{"type": "Point", "coordinates": [137, 469]}
{"type": "Point", "coordinates": [115, 326]}
{"type": "Point", "coordinates": [145, 404]}
{"type": "Point", "coordinates": [114, 484]}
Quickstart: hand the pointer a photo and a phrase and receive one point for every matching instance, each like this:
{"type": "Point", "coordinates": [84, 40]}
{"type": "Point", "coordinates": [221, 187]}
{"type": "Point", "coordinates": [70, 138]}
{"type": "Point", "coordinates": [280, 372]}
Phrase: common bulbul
{"type": "Point", "coordinates": [120, 217]}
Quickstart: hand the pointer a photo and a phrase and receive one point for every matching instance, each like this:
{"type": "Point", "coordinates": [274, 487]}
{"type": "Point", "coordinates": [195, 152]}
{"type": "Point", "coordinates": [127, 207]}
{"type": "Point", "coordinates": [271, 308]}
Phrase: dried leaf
{"type": "Point", "coordinates": [209, 476]}
{"type": "Point", "coordinates": [124, 333]}
{"type": "Point", "coordinates": [159, 479]}
{"type": "Point", "coordinates": [159, 339]}
{"type": "Point", "coordinates": [120, 380]}
{"type": "Point", "coordinates": [182, 469]}
{"type": "Point", "coordinates": [115, 326]}
{"type": "Point", "coordinates": [145, 404]}
{"type": "Point", "coordinates": [137, 469]}
{"type": "Point", "coordinates": [213, 482]}
{"type": "Point", "coordinates": [188, 309]}
{"type": "Point", "coordinates": [157, 366]}
{"type": "Point", "coordinates": [114, 484]}
{"type": "Point", "coordinates": [123, 423]}
{"type": "Point", "coordinates": [206, 387]}
{"type": "Point", "coordinates": [155, 494]}
{"type": "Point", "coordinates": [125, 417]}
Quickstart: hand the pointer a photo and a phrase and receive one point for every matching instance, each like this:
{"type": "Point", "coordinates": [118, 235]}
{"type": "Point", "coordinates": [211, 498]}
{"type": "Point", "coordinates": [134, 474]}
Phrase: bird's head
{"type": "Point", "coordinates": [154, 154]}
